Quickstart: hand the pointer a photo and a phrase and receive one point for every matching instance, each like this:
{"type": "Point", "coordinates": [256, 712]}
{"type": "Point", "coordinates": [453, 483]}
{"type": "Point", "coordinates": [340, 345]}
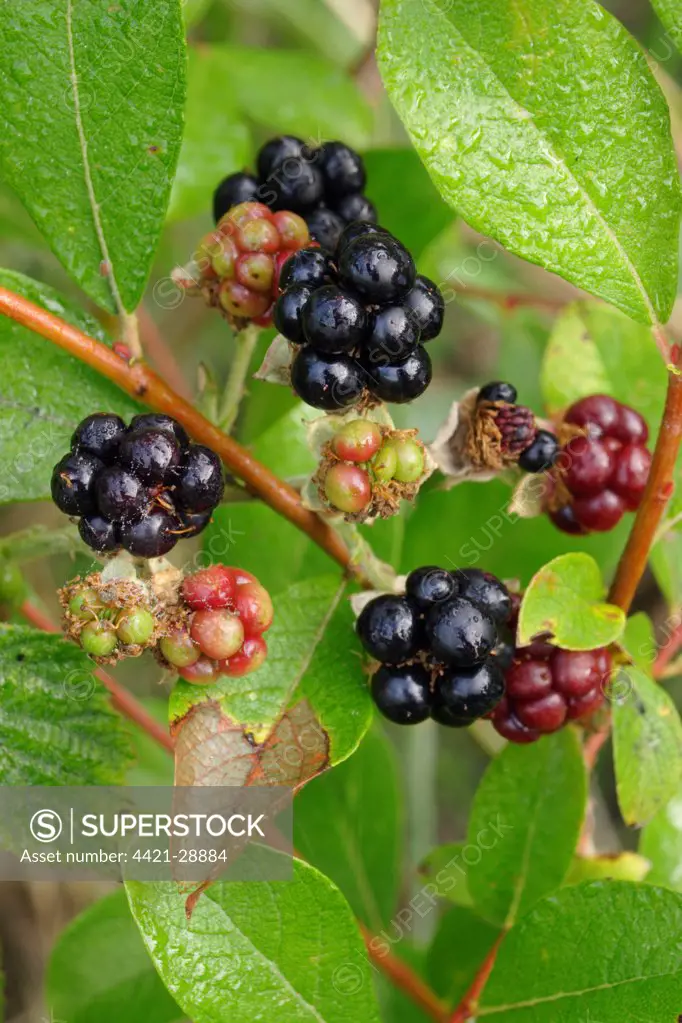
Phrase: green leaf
{"type": "Point", "coordinates": [625, 866]}
{"type": "Point", "coordinates": [99, 970]}
{"type": "Point", "coordinates": [460, 945]}
{"type": "Point", "coordinates": [661, 844]}
{"type": "Point", "coordinates": [92, 156]}
{"type": "Point", "coordinates": [279, 951]}
{"type": "Point", "coordinates": [296, 92]}
{"type": "Point", "coordinates": [318, 24]}
{"type": "Point", "coordinates": [309, 701]}
{"type": "Point", "coordinates": [445, 868]}
{"type": "Point", "coordinates": [670, 13]}
{"type": "Point", "coordinates": [348, 823]}
{"type": "Point", "coordinates": [594, 349]}
{"type": "Point", "coordinates": [639, 640]}
{"type": "Point", "coordinates": [56, 725]}
{"type": "Point", "coordinates": [44, 393]}
{"type": "Point", "coordinates": [415, 212]}
{"type": "Point", "coordinates": [525, 824]}
{"type": "Point", "coordinates": [647, 745]}
{"type": "Point", "coordinates": [216, 141]}
{"type": "Point", "coordinates": [545, 129]}
{"type": "Point", "coordinates": [589, 972]}
{"type": "Point", "coordinates": [565, 599]}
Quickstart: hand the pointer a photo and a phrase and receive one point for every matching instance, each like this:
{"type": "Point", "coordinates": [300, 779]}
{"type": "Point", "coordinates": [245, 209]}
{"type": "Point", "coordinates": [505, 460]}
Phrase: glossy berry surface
{"type": "Point", "coordinates": [288, 313]}
{"type": "Point", "coordinates": [460, 633]}
{"type": "Point", "coordinates": [98, 434]}
{"type": "Point", "coordinates": [135, 627]}
{"type": "Point", "coordinates": [307, 266]}
{"type": "Point", "coordinates": [393, 336]}
{"type": "Point", "coordinates": [401, 382]}
{"type": "Point", "coordinates": [357, 441]}
{"type": "Point", "coordinates": [402, 694]}
{"type": "Point", "coordinates": [159, 421]}
{"type": "Point", "coordinates": [429, 585]}
{"type": "Point", "coordinates": [151, 536]}
{"type": "Point", "coordinates": [605, 468]}
{"type": "Point", "coordinates": [385, 463]}
{"type": "Point", "coordinates": [333, 320]}
{"type": "Point", "coordinates": [273, 152]}
{"type": "Point", "coordinates": [348, 488]}
{"type": "Point", "coordinates": [218, 634]}
{"type": "Point", "coordinates": [498, 390]}
{"type": "Point", "coordinates": [541, 454]}
{"type": "Point", "coordinates": [325, 227]}
{"type": "Point", "coordinates": [378, 268]}
{"type": "Point", "coordinates": [295, 184]}
{"type": "Point", "coordinates": [150, 455]}
{"type": "Point", "coordinates": [100, 534]}
{"type": "Point", "coordinates": [342, 168]}
{"type": "Point", "coordinates": [357, 229]}
{"type": "Point", "coordinates": [486, 590]}
{"type": "Point", "coordinates": [426, 307]}
{"type": "Point", "coordinates": [200, 484]}
{"type": "Point", "coordinates": [462, 695]}
{"type": "Point", "coordinates": [209, 589]}
{"type": "Point", "coordinates": [410, 461]}
{"type": "Point", "coordinates": [179, 649]}
{"type": "Point", "coordinates": [121, 496]}
{"type": "Point", "coordinates": [329, 382]}
{"type": "Point", "coordinates": [73, 483]}
{"type": "Point", "coordinates": [232, 190]}
{"type": "Point", "coordinates": [98, 639]}
{"type": "Point", "coordinates": [388, 628]}
{"type": "Point", "coordinates": [355, 207]}
{"type": "Point", "coordinates": [250, 658]}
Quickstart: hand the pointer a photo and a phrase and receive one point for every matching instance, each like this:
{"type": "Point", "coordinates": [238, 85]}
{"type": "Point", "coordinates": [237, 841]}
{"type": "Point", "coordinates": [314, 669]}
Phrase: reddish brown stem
{"type": "Point", "coordinates": [156, 347]}
{"type": "Point", "coordinates": [121, 699]}
{"type": "Point", "coordinates": [467, 1007]}
{"type": "Point", "coordinates": [405, 979]}
{"type": "Point", "coordinates": [668, 651]}
{"type": "Point", "coordinates": [139, 381]}
{"type": "Point", "coordinates": [658, 492]}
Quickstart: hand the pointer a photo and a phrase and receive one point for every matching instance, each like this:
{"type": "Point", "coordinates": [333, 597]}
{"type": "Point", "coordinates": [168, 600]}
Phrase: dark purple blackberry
{"type": "Point", "coordinates": [328, 382]}
{"type": "Point", "coordinates": [99, 533]}
{"type": "Point", "coordinates": [541, 453]}
{"type": "Point", "coordinates": [194, 523]}
{"type": "Point", "coordinates": [486, 590]}
{"type": "Point", "coordinates": [307, 266]}
{"type": "Point", "coordinates": [402, 382]}
{"type": "Point", "coordinates": [151, 536]}
{"type": "Point", "coordinates": [231, 191]}
{"type": "Point", "coordinates": [159, 421]}
{"type": "Point", "coordinates": [98, 434]}
{"type": "Point", "coordinates": [355, 207]}
{"type": "Point", "coordinates": [326, 227]}
{"type": "Point", "coordinates": [73, 483]}
{"type": "Point", "coordinates": [462, 695]}
{"type": "Point", "coordinates": [378, 268]}
{"type": "Point", "coordinates": [200, 484]}
{"type": "Point", "coordinates": [333, 320]}
{"type": "Point", "coordinates": [425, 305]}
{"type": "Point", "coordinates": [342, 169]}
{"type": "Point", "coordinates": [358, 229]}
{"type": "Point", "coordinates": [430, 585]}
{"type": "Point", "coordinates": [276, 150]}
{"type": "Point", "coordinates": [393, 337]}
{"type": "Point", "coordinates": [152, 455]}
{"type": "Point", "coordinates": [295, 185]}
{"type": "Point", "coordinates": [121, 496]}
{"type": "Point", "coordinates": [498, 390]}
{"type": "Point", "coordinates": [402, 694]}
{"type": "Point", "coordinates": [388, 628]}
{"type": "Point", "coordinates": [288, 312]}
{"type": "Point", "coordinates": [460, 633]}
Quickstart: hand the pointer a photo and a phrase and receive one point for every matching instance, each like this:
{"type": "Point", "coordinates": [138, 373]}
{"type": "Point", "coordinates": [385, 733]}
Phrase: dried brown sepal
{"type": "Point", "coordinates": [498, 433]}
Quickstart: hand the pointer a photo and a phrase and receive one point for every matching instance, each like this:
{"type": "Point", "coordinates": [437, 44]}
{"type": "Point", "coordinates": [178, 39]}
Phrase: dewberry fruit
{"type": "Point", "coordinates": [425, 305]}
{"type": "Point", "coordinates": [578, 672]}
{"type": "Point", "coordinates": [528, 680]}
{"type": "Point", "coordinates": [161, 422]}
{"type": "Point", "coordinates": [329, 382]}
{"type": "Point", "coordinates": [498, 390]}
{"type": "Point", "coordinates": [247, 660]}
{"type": "Point", "coordinates": [410, 459]}
{"type": "Point", "coordinates": [388, 628]}
{"type": "Point", "coordinates": [598, 413]}
{"type": "Point", "coordinates": [486, 590]}
{"type": "Point", "coordinates": [218, 634]}
{"type": "Point", "coordinates": [348, 488]}
{"type": "Point", "coordinates": [385, 463]}
{"type": "Point", "coordinates": [151, 455]}
{"type": "Point", "coordinates": [151, 536]}
{"type": "Point", "coordinates": [232, 190]}
{"type": "Point", "coordinates": [460, 632]}
{"type": "Point", "coordinates": [630, 475]}
{"type": "Point", "coordinates": [357, 229]}
{"type": "Point", "coordinates": [393, 337]}
{"type": "Point", "coordinates": [357, 441]}
{"type": "Point", "coordinates": [307, 266]}
{"type": "Point", "coordinates": [276, 150]}
{"type": "Point", "coordinates": [462, 695]}
{"type": "Point", "coordinates": [200, 484]}
{"type": "Point", "coordinates": [355, 207]}
{"type": "Point", "coordinates": [342, 168]}
{"type": "Point", "coordinates": [600, 512]}
{"type": "Point", "coordinates": [100, 534]}
{"type": "Point", "coordinates": [377, 267]}
{"type": "Point", "coordinates": [179, 649]}
{"type": "Point", "coordinates": [565, 520]}
{"type": "Point", "coordinates": [402, 694]}
{"type": "Point", "coordinates": [589, 466]}
{"type": "Point", "coordinates": [402, 382]}
{"type": "Point", "coordinates": [98, 434]}
{"type": "Point", "coordinates": [121, 496]}
{"type": "Point", "coordinates": [429, 585]}
{"type": "Point", "coordinates": [253, 604]}
{"type": "Point", "coordinates": [98, 639]}
{"type": "Point", "coordinates": [209, 589]}
{"type": "Point", "coordinates": [288, 312]}
{"type": "Point", "coordinates": [295, 184]}
{"type": "Point", "coordinates": [333, 320]}
{"type": "Point", "coordinates": [73, 483]}
{"type": "Point", "coordinates": [135, 627]}
{"type": "Point", "coordinates": [325, 227]}
{"type": "Point", "coordinates": [541, 454]}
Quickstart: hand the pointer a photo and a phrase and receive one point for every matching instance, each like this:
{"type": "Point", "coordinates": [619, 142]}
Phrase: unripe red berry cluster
{"type": "Point", "coordinates": [368, 461]}
{"type": "Point", "coordinates": [240, 261]}
{"type": "Point", "coordinates": [228, 611]}
{"type": "Point", "coordinates": [605, 468]}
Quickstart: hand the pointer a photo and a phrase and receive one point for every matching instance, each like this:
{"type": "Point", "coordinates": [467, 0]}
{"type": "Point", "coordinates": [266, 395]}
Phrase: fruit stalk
{"type": "Point", "coordinates": [139, 381]}
{"type": "Point", "coordinates": [245, 343]}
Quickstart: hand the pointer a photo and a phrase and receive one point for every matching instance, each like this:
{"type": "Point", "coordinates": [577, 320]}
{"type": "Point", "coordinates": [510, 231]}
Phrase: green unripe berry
{"type": "Point", "coordinates": [85, 604]}
{"type": "Point", "coordinates": [179, 649]}
{"type": "Point", "coordinates": [384, 463]}
{"type": "Point", "coordinates": [409, 460]}
{"type": "Point", "coordinates": [136, 627]}
{"type": "Point", "coordinates": [13, 589]}
{"type": "Point", "coordinates": [98, 639]}
{"type": "Point", "coordinates": [347, 488]}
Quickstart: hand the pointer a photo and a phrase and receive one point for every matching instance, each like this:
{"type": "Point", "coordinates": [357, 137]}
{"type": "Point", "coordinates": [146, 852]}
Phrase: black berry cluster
{"type": "Point", "coordinates": [322, 183]}
{"type": "Point", "coordinates": [438, 646]}
{"type": "Point", "coordinates": [546, 687]}
{"type": "Point", "coordinates": [141, 487]}
{"type": "Point", "coordinates": [604, 469]}
{"type": "Point", "coordinates": [535, 450]}
{"type": "Point", "coordinates": [359, 320]}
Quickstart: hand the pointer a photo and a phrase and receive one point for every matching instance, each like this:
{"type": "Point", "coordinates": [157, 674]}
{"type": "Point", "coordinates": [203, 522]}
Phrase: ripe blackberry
{"type": "Point", "coordinates": [426, 307]}
{"type": "Point", "coordinates": [329, 382]}
{"type": "Point", "coordinates": [430, 585]}
{"type": "Point", "coordinates": [275, 151]}
{"type": "Point", "coordinates": [307, 266]}
{"type": "Point", "coordinates": [545, 687]}
{"type": "Point", "coordinates": [343, 170]}
{"type": "Point", "coordinates": [232, 190]}
{"type": "Point", "coordinates": [288, 313]}
{"type": "Point", "coordinates": [378, 268]}
{"type": "Point", "coordinates": [333, 320]}
{"type": "Point", "coordinates": [150, 487]}
{"type": "Point", "coordinates": [460, 632]}
{"type": "Point", "coordinates": [486, 590]}
{"type": "Point", "coordinates": [402, 694]}
{"type": "Point", "coordinates": [498, 390]}
{"type": "Point", "coordinates": [294, 184]}
{"type": "Point", "coordinates": [401, 382]}
{"type": "Point", "coordinates": [325, 227]}
{"type": "Point", "coordinates": [462, 695]}
{"type": "Point", "coordinates": [356, 207]}
{"type": "Point", "coordinates": [541, 453]}
{"type": "Point", "coordinates": [388, 628]}
{"type": "Point", "coordinates": [394, 336]}
{"type": "Point", "coordinates": [605, 468]}
{"type": "Point", "coordinates": [356, 229]}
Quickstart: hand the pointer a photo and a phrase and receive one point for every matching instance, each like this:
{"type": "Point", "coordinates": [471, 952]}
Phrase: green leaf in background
{"type": "Point", "coordinates": [625, 866]}
{"type": "Point", "coordinates": [44, 394]}
{"type": "Point", "coordinates": [348, 823]}
{"type": "Point", "coordinates": [341, 39]}
{"type": "Point", "coordinates": [445, 868]}
{"type": "Point", "coordinates": [670, 13]}
{"type": "Point", "coordinates": [460, 945]}
{"type": "Point", "coordinates": [278, 951]}
{"type": "Point", "coordinates": [589, 970]}
{"type": "Point", "coordinates": [92, 156]}
{"type": "Point", "coordinates": [639, 640]}
{"type": "Point", "coordinates": [565, 599]}
{"type": "Point", "coordinates": [56, 727]}
{"type": "Point", "coordinates": [524, 826]}
{"type": "Point", "coordinates": [309, 702]}
{"type": "Point", "coordinates": [566, 158]}
{"type": "Point", "coordinates": [661, 844]}
{"type": "Point", "coordinates": [594, 349]}
{"type": "Point", "coordinates": [647, 745]}
{"type": "Point", "coordinates": [216, 142]}
{"type": "Point", "coordinates": [293, 91]}
{"type": "Point", "coordinates": [413, 211]}
{"type": "Point", "coordinates": [99, 970]}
